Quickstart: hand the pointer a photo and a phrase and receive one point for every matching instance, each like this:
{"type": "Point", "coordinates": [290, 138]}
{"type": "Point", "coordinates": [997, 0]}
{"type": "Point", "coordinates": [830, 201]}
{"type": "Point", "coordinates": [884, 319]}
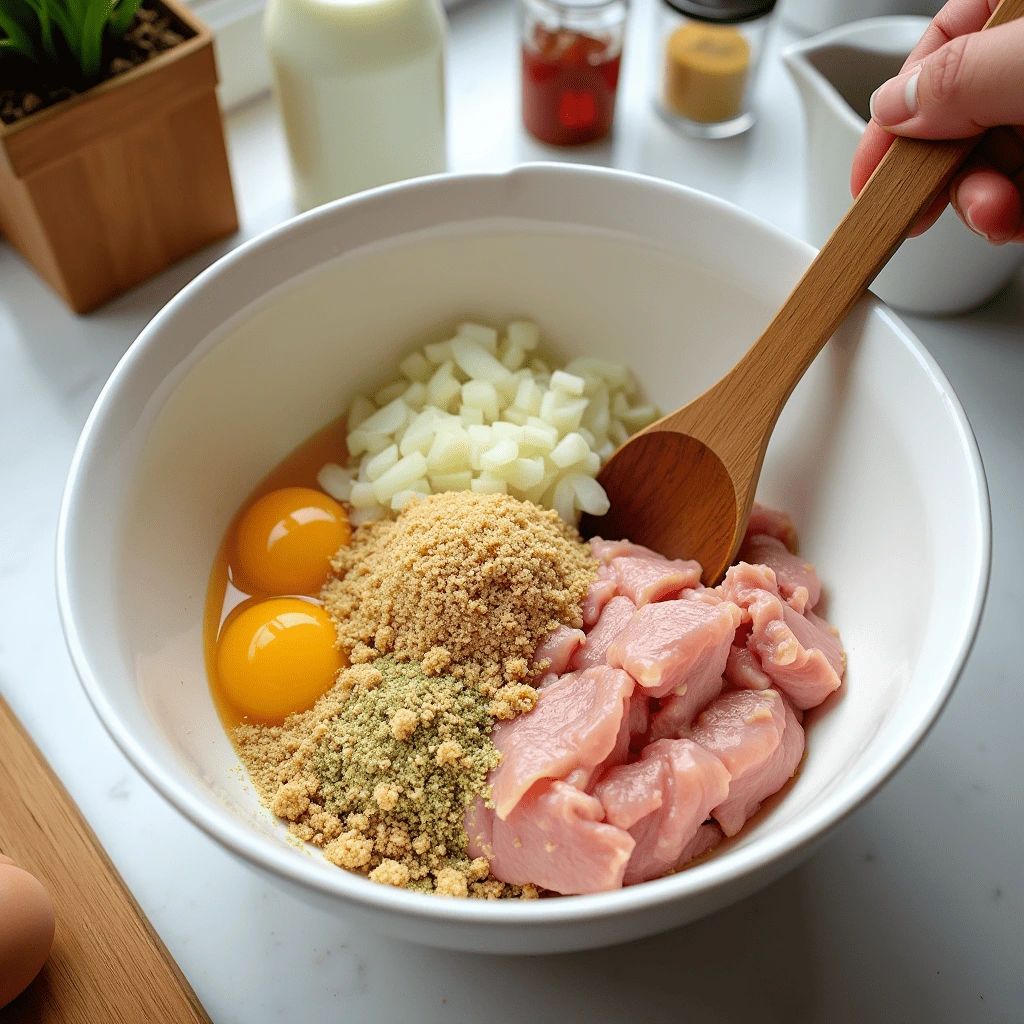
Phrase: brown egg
{"type": "Point", "coordinates": [26, 929]}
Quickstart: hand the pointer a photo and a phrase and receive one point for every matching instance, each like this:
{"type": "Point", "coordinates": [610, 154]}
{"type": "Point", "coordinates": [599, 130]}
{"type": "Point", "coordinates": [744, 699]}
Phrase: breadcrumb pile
{"type": "Point", "coordinates": [464, 583]}
{"type": "Point", "coordinates": [379, 774]}
{"type": "Point", "coordinates": [438, 614]}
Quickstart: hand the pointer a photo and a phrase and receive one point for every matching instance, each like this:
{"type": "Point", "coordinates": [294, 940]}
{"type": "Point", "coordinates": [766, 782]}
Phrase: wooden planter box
{"type": "Point", "coordinates": [108, 188]}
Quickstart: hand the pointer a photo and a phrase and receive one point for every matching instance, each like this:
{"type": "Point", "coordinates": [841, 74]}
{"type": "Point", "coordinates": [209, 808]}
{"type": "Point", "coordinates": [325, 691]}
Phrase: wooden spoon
{"type": "Point", "coordinates": [685, 485]}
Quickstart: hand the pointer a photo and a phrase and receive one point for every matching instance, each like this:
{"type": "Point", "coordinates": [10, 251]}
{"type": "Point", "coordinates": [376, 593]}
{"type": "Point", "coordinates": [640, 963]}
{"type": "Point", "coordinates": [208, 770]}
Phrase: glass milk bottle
{"type": "Point", "coordinates": [360, 86]}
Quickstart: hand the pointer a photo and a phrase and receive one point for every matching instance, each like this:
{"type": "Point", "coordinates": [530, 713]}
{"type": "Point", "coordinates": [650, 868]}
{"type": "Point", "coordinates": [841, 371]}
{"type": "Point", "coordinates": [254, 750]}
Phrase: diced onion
{"type": "Point", "coordinates": [402, 475]}
{"type": "Point", "coordinates": [336, 481]}
{"type": "Point", "coordinates": [416, 367]}
{"type": "Point", "coordinates": [381, 463]}
{"type": "Point", "coordinates": [492, 414]}
{"type": "Point", "coordinates": [487, 484]}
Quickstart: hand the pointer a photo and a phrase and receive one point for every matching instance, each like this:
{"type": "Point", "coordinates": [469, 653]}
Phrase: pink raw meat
{"type": "Point", "coordinates": [554, 838]}
{"type": "Point", "coordinates": [662, 799]}
{"type": "Point", "coordinates": [632, 738]}
{"type": "Point", "coordinates": [744, 583]}
{"type": "Point", "coordinates": [645, 580]}
{"type": "Point", "coordinates": [617, 612]}
{"type": "Point", "coordinates": [677, 712]}
{"type": "Point", "coordinates": [742, 728]}
{"type": "Point", "coordinates": [557, 648]}
{"type": "Point", "coordinates": [574, 725]}
{"type": "Point", "coordinates": [599, 593]}
{"type": "Point", "coordinates": [797, 579]}
{"type": "Point", "coordinates": [757, 784]}
{"type": "Point", "coordinates": [745, 729]}
{"type": "Point", "coordinates": [771, 523]}
{"type": "Point", "coordinates": [584, 778]}
{"type": "Point", "coordinates": [743, 670]}
{"type": "Point", "coordinates": [803, 657]}
{"type": "Point", "coordinates": [631, 792]}
{"type": "Point", "coordinates": [672, 644]}
{"type": "Point", "coordinates": [639, 719]}
{"type": "Point", "coordinates": [606, 550]}
{"type": "Point", "coordinates": [815, 631]}
{"type": "Point", "coordinates": [708, 836]}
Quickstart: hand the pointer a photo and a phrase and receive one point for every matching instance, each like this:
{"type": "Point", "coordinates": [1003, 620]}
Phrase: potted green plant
{"type": "Point", "coordinates": [112, 157]}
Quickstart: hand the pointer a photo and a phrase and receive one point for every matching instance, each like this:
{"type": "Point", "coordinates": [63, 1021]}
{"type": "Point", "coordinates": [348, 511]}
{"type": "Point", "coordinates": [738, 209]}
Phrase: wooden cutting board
{"type": "Point", "coordinates": [107, 966]}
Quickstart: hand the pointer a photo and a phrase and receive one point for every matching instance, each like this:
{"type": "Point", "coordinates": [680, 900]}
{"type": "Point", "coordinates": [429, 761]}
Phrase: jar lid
{"type": "Point", "coordinates": [724, 12]}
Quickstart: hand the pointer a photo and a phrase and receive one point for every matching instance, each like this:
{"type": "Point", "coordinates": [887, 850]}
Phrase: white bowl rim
{"type": "Point", "coordinates": [245, 842]}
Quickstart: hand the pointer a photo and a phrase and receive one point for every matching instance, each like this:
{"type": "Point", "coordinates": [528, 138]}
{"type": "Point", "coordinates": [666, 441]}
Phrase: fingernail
{"type": "Point", "coordinates": [896, 100]}
{"type": "Point", "coordinates": [974, 227]}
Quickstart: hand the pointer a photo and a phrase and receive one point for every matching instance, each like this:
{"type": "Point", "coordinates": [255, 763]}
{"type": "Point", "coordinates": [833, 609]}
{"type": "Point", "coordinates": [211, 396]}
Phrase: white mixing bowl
{"type": "Point", "coordinates": [873, 457]}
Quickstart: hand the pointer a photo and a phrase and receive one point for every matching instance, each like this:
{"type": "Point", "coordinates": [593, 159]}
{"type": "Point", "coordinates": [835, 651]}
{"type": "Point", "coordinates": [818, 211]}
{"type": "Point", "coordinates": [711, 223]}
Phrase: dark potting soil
{"type": "Point", "coordinates": [154, 30]}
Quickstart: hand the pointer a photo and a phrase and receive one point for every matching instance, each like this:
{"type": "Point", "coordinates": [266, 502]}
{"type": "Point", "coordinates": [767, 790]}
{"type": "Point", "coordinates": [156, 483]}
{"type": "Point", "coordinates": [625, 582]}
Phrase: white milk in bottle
{"type": "Point", "coordinates": [360, 86]}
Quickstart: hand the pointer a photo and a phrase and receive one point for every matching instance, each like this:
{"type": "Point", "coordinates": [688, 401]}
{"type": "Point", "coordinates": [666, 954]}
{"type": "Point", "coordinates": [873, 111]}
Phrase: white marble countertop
{"type": "Point", "coordinates": [912, 911]}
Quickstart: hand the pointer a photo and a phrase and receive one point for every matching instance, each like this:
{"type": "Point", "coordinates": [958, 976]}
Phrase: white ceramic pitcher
{"type": "Point", "coordinates": [810, 16]}
{"type": "Point", "coordinates": [948, 269]}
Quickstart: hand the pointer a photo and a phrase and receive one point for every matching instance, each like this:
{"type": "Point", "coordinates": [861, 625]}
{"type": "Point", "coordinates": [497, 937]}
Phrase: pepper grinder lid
{"type": "Point", "coordinates": [723, 12]}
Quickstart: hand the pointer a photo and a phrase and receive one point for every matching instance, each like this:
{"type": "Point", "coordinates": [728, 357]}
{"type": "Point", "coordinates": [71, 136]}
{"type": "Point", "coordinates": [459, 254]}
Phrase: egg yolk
{"type": "Point", "coordinates": [277, 657]}
{"type": "Point", "coordinates": [286, 539]}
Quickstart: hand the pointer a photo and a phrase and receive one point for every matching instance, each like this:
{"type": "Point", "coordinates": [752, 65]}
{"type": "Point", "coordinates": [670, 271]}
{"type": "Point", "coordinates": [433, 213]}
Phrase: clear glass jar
{"type": "Point", "coordinates": [707, 61]}
{"type": "Point", "coordinates": [360, 87]}
{"type": "Point", "coordinates": [571, 52]}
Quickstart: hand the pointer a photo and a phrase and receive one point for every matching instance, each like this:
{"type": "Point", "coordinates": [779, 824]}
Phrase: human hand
{"type": "Point", "coordinates": [960, 82]}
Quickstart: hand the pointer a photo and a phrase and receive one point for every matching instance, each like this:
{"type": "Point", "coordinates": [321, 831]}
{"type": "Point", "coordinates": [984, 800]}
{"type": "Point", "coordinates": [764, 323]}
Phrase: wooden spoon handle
{"type": "Point", "coordinates": [903, 186]}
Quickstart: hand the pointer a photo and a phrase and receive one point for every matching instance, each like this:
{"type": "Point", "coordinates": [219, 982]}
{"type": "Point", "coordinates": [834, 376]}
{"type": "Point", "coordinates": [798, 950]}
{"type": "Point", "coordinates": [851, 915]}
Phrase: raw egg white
{"type": "Point", "coordinates": [26, 929]}
{"type": "Point", "coordinates": [277, 657]}
{"type": "Point", "coordinates": [285, 541]}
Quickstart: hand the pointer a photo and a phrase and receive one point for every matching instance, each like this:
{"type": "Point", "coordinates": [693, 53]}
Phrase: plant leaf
{"type": "Point", "coordinates": [17, 38]}
{"type": "Point", "coordinates": [42, 12]}
{"type": "Point", "coordinates": [122, 14]}
{"type": "Point", "coordinates": [94, 25]}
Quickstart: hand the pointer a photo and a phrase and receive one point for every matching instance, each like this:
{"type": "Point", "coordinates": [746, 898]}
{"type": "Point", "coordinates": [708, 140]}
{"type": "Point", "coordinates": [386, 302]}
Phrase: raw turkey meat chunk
{"type": "Point", "coordinates": [708, 836]}
{"type": "Point", "coordinates": [743, 670]}
{"type": "Point", "coordinates": [633, 722]}
{"type": "Point", "coordinates": [645, 580]}
{"type": "Point", "coordinates": [802, 656]}
{"type": "Point", "coordinates": [677, 712]}
{"type": "Point", "coordinates": [662, 800]}
{"type": "Point", "coordinates": [557, 648]}
{"type": "Point", "coordinates": [797, 579]}
{"type": "Point", "coordinates": [574, 725]}
{"type": "Point", "coordinates": [639, 719]}
{"type": "Point", "coordinates": [756, 736]}
{"type": "Point", "coordinates": [606, 550]}
{"type": "Point", "coordinates": [772, 523]}
{"type": "Point", "coordinates": [743, 583]}
{"type": "Point", "coordinates": [617, 612]}
{"type": "Point", "coordinates": [673, 644]}
{"type": "Point", "coordinates": [599, 593]}
{"type": "Point", "coordinates": [554, 838]}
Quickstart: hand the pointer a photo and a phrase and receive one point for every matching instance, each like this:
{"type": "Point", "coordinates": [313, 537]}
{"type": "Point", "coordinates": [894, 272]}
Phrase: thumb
{"type": "Point", "coordinates": [970, 84]}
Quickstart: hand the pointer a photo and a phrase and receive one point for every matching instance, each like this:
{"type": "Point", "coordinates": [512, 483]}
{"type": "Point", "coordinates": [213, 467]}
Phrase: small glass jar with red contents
{"type": "Point", "coordinates": [571, 55]}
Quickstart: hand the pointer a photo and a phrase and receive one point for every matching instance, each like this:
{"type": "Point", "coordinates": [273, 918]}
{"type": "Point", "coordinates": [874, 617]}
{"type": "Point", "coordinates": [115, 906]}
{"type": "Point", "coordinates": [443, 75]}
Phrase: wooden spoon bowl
{"type": "Point", "coordinates": [646, 506]}
{"type": "Point", "coordinates": [685, 485]}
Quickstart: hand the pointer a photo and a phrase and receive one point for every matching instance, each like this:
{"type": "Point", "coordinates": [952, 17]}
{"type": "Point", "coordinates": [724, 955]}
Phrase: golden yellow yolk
{"type": "Point", "coordinates": [285, 541]}
{"type": "Point", "coordinates": [277, 657]}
